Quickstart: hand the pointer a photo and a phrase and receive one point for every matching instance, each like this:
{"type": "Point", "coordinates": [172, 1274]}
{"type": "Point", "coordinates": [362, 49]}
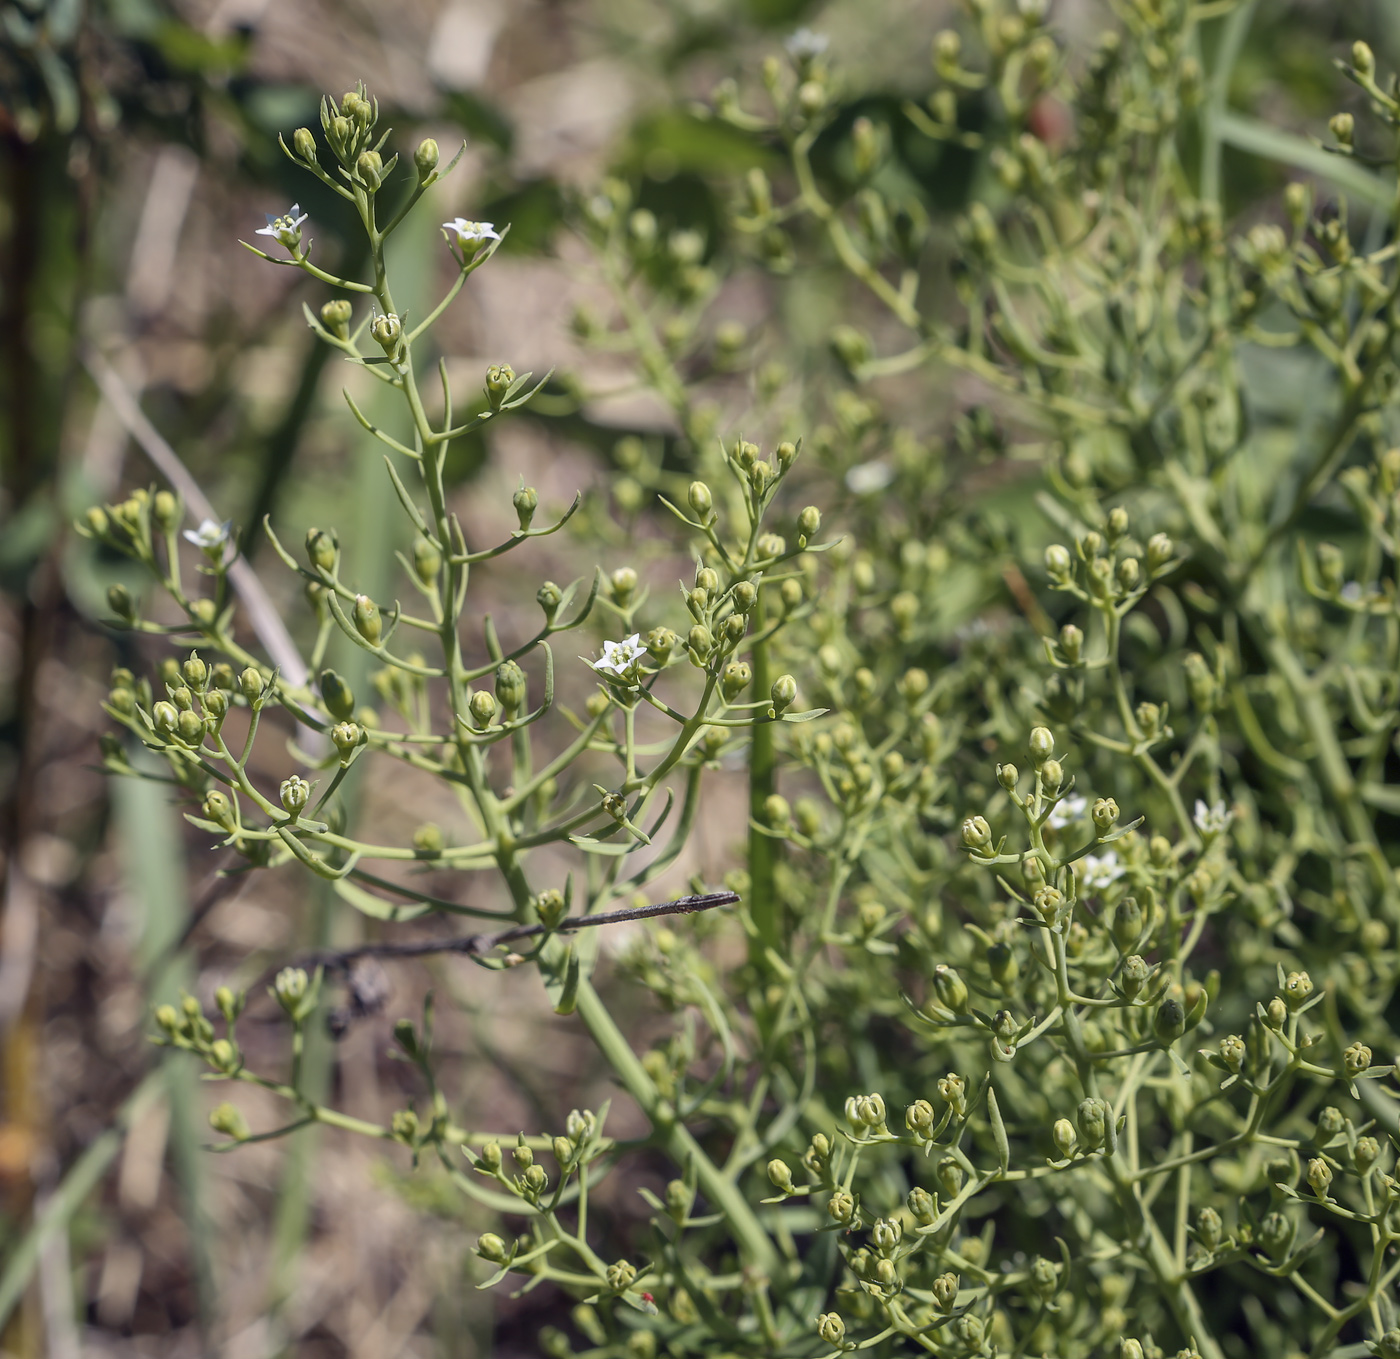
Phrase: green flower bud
{"type": "Point", "coordinates": [1276, 1013]}
{"type": "Point", "coordinates": [219, 809]}
{"type": "Point", "coordinates": [97, 521]}
{"type": "Point", "coordinates": [776, 811]}
{"type": "Point", "coordinates": [770, 545]}
{"type": "Point", "coordinates": [809, 522]}
{"type": "Point", "coordinates": [491, 1247]}
{"type": "Point", "coordinates": [167, 1018]}
{"type": "Point", "coordinates": [194, 672]}
{"type": "Point", "coordinates": [1042, 744]}
{"type": "Point", "coordinates": [370, 169]}
{"type": "Point", "coordinates": [336, 696]}
{"type": "Point", "coordinates": [780, 1176]}
{"type": "Point", "coordinates": [1007, 774]}
{"type": "Point", "coordinates": [1356, 1059]}
{"type": "Point", "coordinates": [976, 833]}
{"type": "Point", "coordinates": [1130, 1349]}
{"type": "Point", "coordinates": [920, 1205]}
{"type": "Point", "coordinates": [1319, 1176]}
{"type": "Point", "coordinates": [950, 1176]}
{"type": "Point", "coordinates": [536, 1180]}
{"type": "Point", "coordinates": [1275, 1234]}
{"type": "Point", "coordinates": [1048, 902]}
{"type": "Point", "coordinates": [250, 684]}
{"type": "Point", "coordinates": [427, 839]}
{"type": "Point", "coordinates": [1388, 1346]}
{"type": "Point", "coordinates": [700, 500]}
{"type": "Point", "coordinates": [952, 1090]}
{"type": "Point", "coordinates": [1092, 1118]}
{"type": "Point", "coordinates": [660, 643]}
{"type": "Point", "coordinates": [120, 602]}
{"type": "Point", "coordinates": [1135, 975]}
{"type": "Point", "coordinates": [1058, 563]}
{"type": "Point", "coordinates": [1127, 923]}
{"type": "Point", "coordinates": [1129, 572]}
{"type": "Point", "coordinates": [735, 679]}
{"type": "Point", "coordinates": [304, 144]}
{"type": "Point", "coordinates": [1170, 1021]}
{"type": "Point", "coordinates": [1052, 775]}
{"type": "Point", "coordinates": [223, 1056]}
{"type": "Point", "coordinates": [919, 1118]}
{"type": "Point", "coordinates": [621, 1276]}
{"type": "Point", "coordinates": [1363, 60]}
{"type": "Point", "coordinates": [1071, 643]}
{"type": "Point", "coordinates": [950, 989]}
{"type": "Point", "coordinates": [227, 1119]}
{"type": "Point", "coordinates": [744, 595]}
{"type": "Point", "coordinates": [549, 597]}
{"type": "Point", "coordinates": [1209, 1228]}
{"type": "Point", "coordinates": [182, 698]}
{"type": "Point", "coordinates": [1343, 127]}
{"type": "Point", "coordinates": [427, 561]}
{"type": "Point", "coordinates": [1366, 1153]}
{"type": "Point", "coordinates": [678, 1200]}
{"type": "Point", "coordinates": [190, 727]}
{"type": "Point", "coordinates": [842, 1207]}
{"type": "Point", "coordinates": [886, 1235]}
{"type": "Point", "coordinates": [336, 316]}
{"type": "Point", "coordinates": [526, 501]}
{"type": "Point", "coordinates": [165, 511]}
{"type": "Point", "coordinates": [831, 1329]}
{"type": "Point", "coordinates": [320, 548]}
{"type": "Point", "coordinates": [945, 1291]}
{"type": "Point", "coordinates": [624, 584]}
{"type": "Point", "coordinates": [403, 1126]}
{"type": "Point", "coordinates": [699, 641]}
{"type": "Point", "coordinates": [498, 381]}
{"type": "Point", "coordinates": [425, 159]}
{"type": "Point", "coordinates": [1044, 1278]}
{"type": "Point", "coordinates": [367, 621]}
{"type": "Point", "coordinates": [482, 706]}
{"type": "Point", "coordinates": [294, 794]}
{"type": "Point", "coordinates": [1297, 987]}
{"type": "Point", "coordinates": [345, 736]}
{"type": "Point", "coordinates": [386, 332]}
{"type": "Point", "coordinates": [1104, 813]}
{"type": "Point", "coordinates": [1330, 1122]}
{"type": "Point", "coordinates": [1160, 550]}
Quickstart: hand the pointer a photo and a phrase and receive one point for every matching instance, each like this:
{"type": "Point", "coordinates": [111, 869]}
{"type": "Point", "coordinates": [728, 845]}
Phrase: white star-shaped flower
{"type": "Point", "coordinates": [470, 235]}
{"type": "Point", "coordinates": [620, 658]}
{"type": "Point", "coordinates": [1067, 810]}
{"type": "Point", "coordinates": [1100, 870]}
{"type": "Point", "coordinates": [210, 537]}
{"type": "Point", "coordinates": [1212, 820]}
{"type": "Point", "coordinates": [806, 45]}
{"type": "Point", "coordinates": [285, 229]}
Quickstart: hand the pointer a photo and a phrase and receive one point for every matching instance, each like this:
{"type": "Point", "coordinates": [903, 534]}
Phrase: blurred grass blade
{"type": "Point", "coordinates": [83, 1177]}
{"type": "Point", "coordinates": [1249, 134]}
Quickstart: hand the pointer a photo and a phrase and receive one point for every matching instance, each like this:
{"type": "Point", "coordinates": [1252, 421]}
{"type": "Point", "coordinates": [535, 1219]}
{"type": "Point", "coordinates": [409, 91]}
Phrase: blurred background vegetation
{"type": "Point", "coordinates": [137, 144]}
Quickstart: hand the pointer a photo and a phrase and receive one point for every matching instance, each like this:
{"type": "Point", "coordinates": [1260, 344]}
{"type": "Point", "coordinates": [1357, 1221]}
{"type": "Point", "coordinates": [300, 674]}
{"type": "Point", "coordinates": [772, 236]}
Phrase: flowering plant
{"type": "Point", "coordinates": [1024, 1056]}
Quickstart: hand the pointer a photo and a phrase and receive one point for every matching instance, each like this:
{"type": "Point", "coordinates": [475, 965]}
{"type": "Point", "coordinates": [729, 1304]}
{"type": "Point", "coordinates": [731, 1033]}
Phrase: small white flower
{"type": "Point", "coordinates": [806, 45]}
{"type": "Point", "coordinates": [1100, 870]}
{"type": "Point", "coordinates": [1351, 591]}
{"type": "Point", "coordinates": [210, 537]}
{"type": "Point", "coordinates": [1067, 810]}
{"type": "Point", "coordinates": [470, 235]}
{"type": "Point", "coordinates": [867, 477]}
{"type": "Point", "coordinates": [620, 658]}
{"type": "Point", "coordinates": [285, 229]}
{"type": "Point", "coordinates": [1212, 820]}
